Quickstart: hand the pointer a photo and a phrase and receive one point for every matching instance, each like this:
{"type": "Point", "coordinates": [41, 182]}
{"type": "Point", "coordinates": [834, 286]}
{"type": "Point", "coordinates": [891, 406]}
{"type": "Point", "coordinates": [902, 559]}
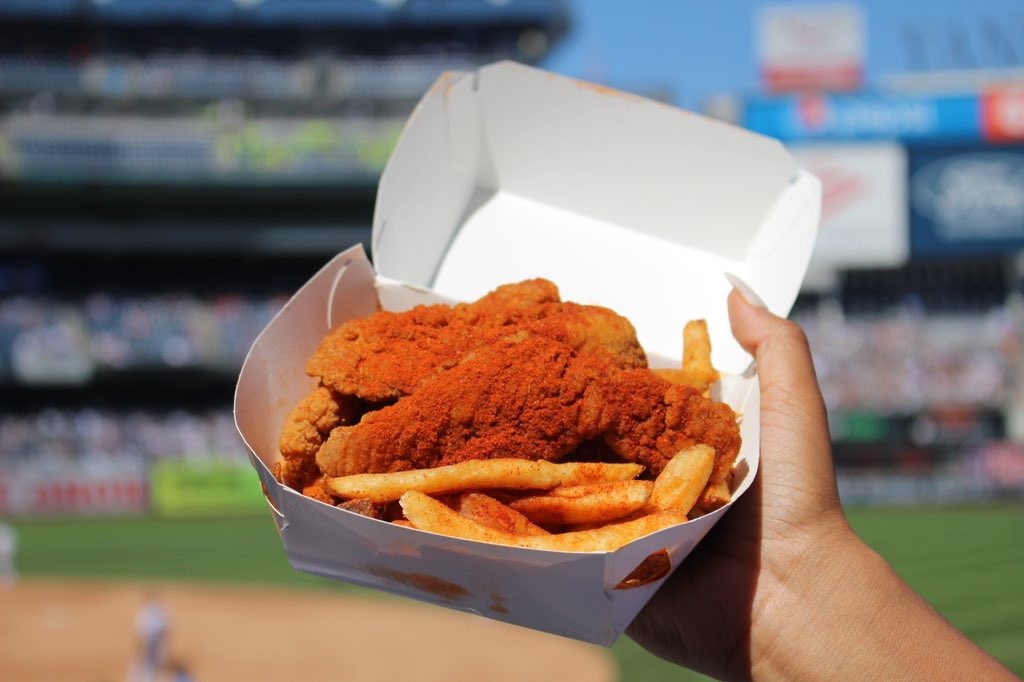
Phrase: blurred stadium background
{"type": "Point", "coordinates": [172, 170]}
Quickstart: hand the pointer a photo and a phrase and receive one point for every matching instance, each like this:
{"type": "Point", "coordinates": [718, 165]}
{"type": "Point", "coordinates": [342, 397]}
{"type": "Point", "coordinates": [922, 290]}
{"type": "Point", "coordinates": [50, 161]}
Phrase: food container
{"type": "Point", "coordinates": [509, 173]}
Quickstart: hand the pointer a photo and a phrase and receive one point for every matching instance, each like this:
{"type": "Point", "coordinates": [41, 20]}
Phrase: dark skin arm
{"type": "Point", "coordinates": [782, 588]}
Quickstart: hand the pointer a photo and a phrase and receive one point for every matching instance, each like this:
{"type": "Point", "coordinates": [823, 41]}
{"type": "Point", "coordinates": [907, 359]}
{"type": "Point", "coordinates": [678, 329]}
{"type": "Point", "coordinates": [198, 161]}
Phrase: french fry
{"type": "Point", "coordinates": [697, 371]}
{"type": "Point", "coordinates": [681, 482]}
{"type": "Point", "coordinates": [480, 474]}
{"type": "Point", "coordinates": [428, 514]}
{"type": "Point", "coordinates": [489, 512]}
{"type": "Point", "coordinates": [683, 377]}
{"type": "Point", "coordinates": [716, 494]}
{"type": "Point", "coordinates": [595, 503]}
{"type": "Point", "coordinates": [697, 354]}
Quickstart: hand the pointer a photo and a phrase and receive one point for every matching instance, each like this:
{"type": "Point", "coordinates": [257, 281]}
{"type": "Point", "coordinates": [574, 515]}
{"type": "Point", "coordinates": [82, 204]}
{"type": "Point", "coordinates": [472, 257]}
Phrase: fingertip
{"type": "Point", "coordinates": [752, 325]}
{"type": "Point", "coordinates": [745, 291]}
{"type": "Point", "coordinates": [746, 321]}
{"type": "Point", "coordinates": [779, 345]}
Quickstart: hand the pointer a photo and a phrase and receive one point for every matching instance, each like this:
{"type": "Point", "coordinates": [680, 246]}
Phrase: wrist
{"type": "Point", "coordinates": [797, 625]}
{"type": "Point", "coordinates": [843, 613]}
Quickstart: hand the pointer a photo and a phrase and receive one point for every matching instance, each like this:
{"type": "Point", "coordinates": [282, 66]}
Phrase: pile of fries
{"type": "Point", "coordinates": [597, 506]}
{"type": "Point", "coordinates": [570, 506]}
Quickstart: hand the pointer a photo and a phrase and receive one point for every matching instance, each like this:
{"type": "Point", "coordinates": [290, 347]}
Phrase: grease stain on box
{"type": "Point", "coordinates": [430, 584]}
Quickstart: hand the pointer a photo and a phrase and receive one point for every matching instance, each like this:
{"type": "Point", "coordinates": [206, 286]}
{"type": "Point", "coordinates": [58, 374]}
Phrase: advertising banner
{"type": "Point", "coordinates": [966, 200]}
{"type": "Point", "coordinates": [864, 204]}
{"type": "Point", "coordinates": [1002, 114]}
{"type": "Point", "coordinates": [75, 489]}
{"type": "Point", "coordinates": [817, 116]}
{"type": "Point", "coordinates": [190, 487]}
{"type": "Point", "coordinates": [810, 46]}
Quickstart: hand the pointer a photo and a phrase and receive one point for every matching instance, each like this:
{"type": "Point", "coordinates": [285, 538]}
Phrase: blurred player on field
{"type": "Point", "coordinates": [8, 549]}
{"type": "Point", "coordinates": [151, 626]}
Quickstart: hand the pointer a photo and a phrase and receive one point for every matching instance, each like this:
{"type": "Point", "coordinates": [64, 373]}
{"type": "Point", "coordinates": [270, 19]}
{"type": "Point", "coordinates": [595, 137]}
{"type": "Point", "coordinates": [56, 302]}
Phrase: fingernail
{"type": "Point", "coordinates": [739, 285]}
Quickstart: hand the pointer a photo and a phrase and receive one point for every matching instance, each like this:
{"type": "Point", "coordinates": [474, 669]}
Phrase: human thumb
{"type": "Point", "coordinates": [794, 424]}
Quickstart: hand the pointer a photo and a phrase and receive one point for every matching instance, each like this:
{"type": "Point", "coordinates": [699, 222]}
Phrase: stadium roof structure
{"type": "Point", "coordinates": [351, 13]}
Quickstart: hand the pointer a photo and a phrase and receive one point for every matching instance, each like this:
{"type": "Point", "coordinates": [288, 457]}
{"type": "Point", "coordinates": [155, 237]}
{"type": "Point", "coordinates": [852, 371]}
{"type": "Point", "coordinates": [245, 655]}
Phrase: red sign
{"type": "Point", "coordinates": [27, 493]}
{"type": "Point", "coordinates": [839, 78]}
{"type": "Point", "coordinates": [1002, 114]}
{"type": "Point", "coordinates": [811, 47]}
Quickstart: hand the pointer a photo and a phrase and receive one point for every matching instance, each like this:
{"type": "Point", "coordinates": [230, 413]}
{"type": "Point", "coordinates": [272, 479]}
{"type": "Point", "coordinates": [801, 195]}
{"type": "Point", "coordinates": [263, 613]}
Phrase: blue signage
{"type": "Point", "coordinates": [815, 116]}
{"type": "Point", "coordinates": [191, 11]}
{"type": "Point", "coordinates": [35, 8]}
{"type": "Point", "coordinates": [966, 200]}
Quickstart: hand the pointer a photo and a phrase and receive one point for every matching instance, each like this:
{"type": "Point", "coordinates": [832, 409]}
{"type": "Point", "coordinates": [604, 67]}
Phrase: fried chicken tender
{"type": "Point", "coordinates": [297, 472]}
{"type": "Point", "coordinates": [529, 397]}
{"type": "Point", "coordinates": [651, 419]}
{"type": "Point", "coordinates": [310, 422]}
{"type": "Point", "coordinates": [306, 427]}
{"type": "Point", "coordinates": [391, 355]}
{"type": "Point", "coordinates": [508, 303]}
{"type": "Point", "coordinates": [534, 398]}
{"type": "Point", "coordinates": [592, 331]}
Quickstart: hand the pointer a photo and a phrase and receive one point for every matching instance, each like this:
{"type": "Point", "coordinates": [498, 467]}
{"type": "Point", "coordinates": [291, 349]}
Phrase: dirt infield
{"type": "Point", "coordinates": [85, 631]}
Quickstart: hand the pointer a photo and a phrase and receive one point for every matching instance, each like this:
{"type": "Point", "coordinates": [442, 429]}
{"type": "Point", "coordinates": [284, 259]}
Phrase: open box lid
{"type": "Point", "coordinates": [509, 173]}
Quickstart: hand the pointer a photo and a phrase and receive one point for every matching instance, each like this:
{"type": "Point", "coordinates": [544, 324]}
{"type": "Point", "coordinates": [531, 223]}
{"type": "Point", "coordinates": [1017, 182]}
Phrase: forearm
{"type": "Point", "coordinates": [844, 614]}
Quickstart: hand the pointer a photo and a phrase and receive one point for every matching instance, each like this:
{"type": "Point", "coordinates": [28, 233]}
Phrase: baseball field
{"type": "Point", "coordinates": [966, 561]}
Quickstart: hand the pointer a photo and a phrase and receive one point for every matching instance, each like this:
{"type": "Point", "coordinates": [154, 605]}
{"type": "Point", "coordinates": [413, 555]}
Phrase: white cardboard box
{"type": "Point", "coordinates": [510, 173]}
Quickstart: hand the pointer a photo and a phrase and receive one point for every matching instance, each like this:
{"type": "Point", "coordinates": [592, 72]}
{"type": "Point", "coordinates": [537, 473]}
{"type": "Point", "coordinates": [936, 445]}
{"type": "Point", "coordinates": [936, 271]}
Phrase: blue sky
{"type": "Point", "coordinates": [695, 48]}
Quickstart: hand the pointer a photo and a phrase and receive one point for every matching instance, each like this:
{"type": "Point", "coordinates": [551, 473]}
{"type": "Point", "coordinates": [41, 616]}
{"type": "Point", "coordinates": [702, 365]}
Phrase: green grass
{"type": "Point", "coordinates": [235, 550]}
{"type": "Point", "coordinates": [969, 563]}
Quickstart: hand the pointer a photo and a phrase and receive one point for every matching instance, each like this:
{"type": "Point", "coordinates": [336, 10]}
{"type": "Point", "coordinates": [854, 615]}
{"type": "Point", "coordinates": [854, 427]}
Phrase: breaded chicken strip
{"type": "Point", "coordinates": [310, 422]}
{"type": "Point", "coordinates": [389, 355]}
{"type": "Point", "coordinates": [535, 398]}
{"type": "Point", "coordinates": [650, 420]}
{"type": "Point", "coordinates": [592, 331]}
{"type": "Point", "coordinates": [529, 397]}
{"type": "Point", "coordinates": [306, 427]}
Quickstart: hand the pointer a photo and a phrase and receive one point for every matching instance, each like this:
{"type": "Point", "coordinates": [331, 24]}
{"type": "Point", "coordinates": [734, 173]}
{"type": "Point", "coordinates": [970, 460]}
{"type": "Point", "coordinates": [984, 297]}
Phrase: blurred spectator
{"type": "Point", "coordinates": [103, 436]}
{"type": "Point", "coordinates": [903, 361]}
{"type": "Point", "coordinates": [44, 340]}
